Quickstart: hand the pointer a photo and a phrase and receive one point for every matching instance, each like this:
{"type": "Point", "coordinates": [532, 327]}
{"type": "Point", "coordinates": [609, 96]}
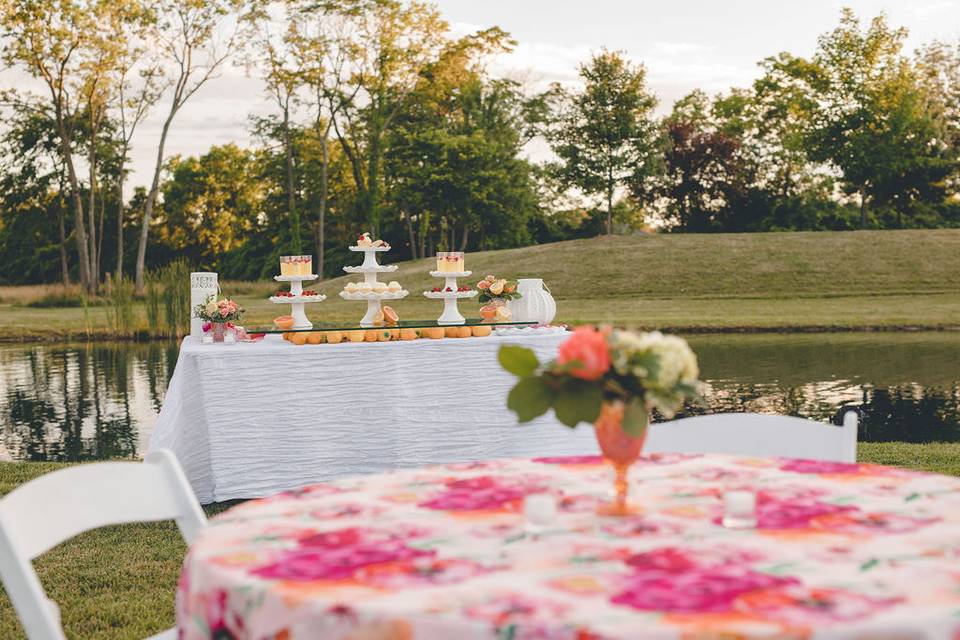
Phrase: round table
{"type": "Point", "coordinates": [840, 551]}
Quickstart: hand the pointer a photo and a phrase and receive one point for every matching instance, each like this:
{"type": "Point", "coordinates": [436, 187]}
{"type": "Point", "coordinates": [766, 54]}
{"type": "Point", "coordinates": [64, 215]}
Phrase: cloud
{"type": "Point", "coordinates": [680, 48]}
{"type": "Point", "coordinates": [931, 7]}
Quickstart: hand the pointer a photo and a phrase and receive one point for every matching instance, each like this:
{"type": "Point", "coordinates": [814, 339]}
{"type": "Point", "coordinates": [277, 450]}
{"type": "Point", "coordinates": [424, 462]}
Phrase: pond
{"type": "Point", "coordinates": [87, 402]}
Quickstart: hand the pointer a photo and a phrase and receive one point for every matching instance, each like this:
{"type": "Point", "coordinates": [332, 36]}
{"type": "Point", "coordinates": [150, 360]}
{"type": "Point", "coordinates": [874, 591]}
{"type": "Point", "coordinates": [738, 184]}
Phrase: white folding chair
{"type": "Point", "coordinates": [41, 514]}
{"type": "Point", "coordinates": [754, 434]}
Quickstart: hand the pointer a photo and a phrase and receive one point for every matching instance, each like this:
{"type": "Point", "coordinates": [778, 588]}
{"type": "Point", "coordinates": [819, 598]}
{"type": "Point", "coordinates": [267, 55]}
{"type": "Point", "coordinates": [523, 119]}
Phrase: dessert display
{"type": "Point", "coordinates": [296, 270]}
{"type": "Point", "coordinates": [450, 262]}
{"type": "Point", "coordinates": [296, 265]}
{"type": "Point", "coordinates": [386, 331]}
{"type": "Point", "coordinates": [450, 267]}
{"type": "Point", "coordinates": [364, 241]}
{"type": "Point", "coordinates": [372, 290]}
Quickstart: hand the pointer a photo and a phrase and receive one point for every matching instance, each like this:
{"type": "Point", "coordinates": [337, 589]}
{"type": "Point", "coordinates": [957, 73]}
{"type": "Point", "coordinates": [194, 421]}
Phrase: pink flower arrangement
{"type": "Point", "coordinates": [483, 493]}
{"type": "Point", "coordinates": [221, 311]}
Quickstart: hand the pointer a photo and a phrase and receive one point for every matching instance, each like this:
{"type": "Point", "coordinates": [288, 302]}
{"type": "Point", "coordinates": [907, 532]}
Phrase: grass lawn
{"type": "Point", "coordinates": [119, 582]}
{"type": "Point", "coordinates": [762, 281]}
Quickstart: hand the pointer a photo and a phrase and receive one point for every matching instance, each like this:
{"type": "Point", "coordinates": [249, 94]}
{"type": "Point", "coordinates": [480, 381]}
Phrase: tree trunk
{"type": "Point", "coordinates": [414, 254]}
{"type": "Point", "coordinates": [79, 222]}
{"type": "Point", "coordinates": [373, 185]}
{"type": "Point", "coordinates": [609, 204]}
{"type": "Point", "coordinates": [463, 238]}
{"type": "Point", "coordinates": [324, 185]}
{"type": "Point", "coordinates": [151, 199]}
{"type": "Point", "coordinates": [64, 267]}
{"type": "Point", "coordinates": [423, 221]}
{"type": "Point", "coordinates": [863, 208]}
{"type": "Point", "coordinates": [120, 178]}
{"type": "Point", "coordinates": [291, 199]}
{"type": "Point", "coordinates": [103, 216]}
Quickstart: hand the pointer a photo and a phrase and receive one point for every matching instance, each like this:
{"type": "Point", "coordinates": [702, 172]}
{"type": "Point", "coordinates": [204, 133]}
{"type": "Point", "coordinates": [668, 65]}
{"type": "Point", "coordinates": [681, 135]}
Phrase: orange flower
{"type": "Point", "coordinates": [588, 348]}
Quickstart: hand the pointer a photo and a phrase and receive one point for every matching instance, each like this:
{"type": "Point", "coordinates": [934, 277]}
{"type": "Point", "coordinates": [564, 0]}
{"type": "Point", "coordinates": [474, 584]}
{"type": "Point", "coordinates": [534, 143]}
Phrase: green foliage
{"type": "Point", "coordinates": [175, 282]}
{"type": "Point", "coordinates": [605, 135]}
{"type": "Point", "coordinates": [520, 361]}
{"type": "Point", "coordinates": [123, 314]}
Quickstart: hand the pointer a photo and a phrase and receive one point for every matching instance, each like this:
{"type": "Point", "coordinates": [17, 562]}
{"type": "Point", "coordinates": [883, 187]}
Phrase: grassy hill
{"type": "Point", "coordinates": [762, 281]}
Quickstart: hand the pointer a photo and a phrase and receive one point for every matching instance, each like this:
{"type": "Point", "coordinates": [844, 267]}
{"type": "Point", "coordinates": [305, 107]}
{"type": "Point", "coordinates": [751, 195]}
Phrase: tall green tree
{"type": "Point", "coordinates": [605, 134]}
{"type": "Point", "coordinates": [386, 45]}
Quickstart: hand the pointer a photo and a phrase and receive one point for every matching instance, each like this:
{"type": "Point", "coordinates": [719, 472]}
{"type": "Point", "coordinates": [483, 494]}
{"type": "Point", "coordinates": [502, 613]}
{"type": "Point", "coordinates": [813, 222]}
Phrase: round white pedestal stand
{"type": "Point", "coordinates": [451, 314]}
{"type": "Point", "coordinates": [370, 268]}
{"type": "Point", "coordinates": [297, 301]}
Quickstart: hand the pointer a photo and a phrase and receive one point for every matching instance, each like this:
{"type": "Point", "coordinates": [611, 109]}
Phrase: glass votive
{"type": "Point", "coordinates": [739, 509]}
{"type": "Point", "coordinates": [539, 511]}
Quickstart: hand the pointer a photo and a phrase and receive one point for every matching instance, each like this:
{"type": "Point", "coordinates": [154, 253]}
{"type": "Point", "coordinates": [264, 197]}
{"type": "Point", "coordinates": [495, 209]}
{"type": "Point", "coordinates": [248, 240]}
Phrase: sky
{"type": "Point", "coordinates": [685, 44]}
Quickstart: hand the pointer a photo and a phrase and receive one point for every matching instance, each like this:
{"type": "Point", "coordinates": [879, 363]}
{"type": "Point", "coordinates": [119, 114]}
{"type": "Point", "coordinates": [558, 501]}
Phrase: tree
{"type": "Point", "coordinates": [189, 32]}
{"type": "Point", "coordinates": [283, 74]}
{"type": "Point", "coordinates": [139, 78]}
{"type": "Point", "coordinates": [387, 44]}
{"type": "Point", "coordinates": [702, 172]}
{"type": "Point", "coordinates": [605, 135]}
{"type": "Point", "coordinates": [55, 42]}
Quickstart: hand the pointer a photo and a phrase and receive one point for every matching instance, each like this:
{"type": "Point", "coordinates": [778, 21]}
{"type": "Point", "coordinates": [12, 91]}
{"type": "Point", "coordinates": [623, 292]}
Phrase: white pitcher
{"type": "Point", "coordinates": [535, 303]}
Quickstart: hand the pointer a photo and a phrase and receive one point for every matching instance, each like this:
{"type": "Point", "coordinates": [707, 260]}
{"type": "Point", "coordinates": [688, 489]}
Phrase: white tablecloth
{"type": "Point", "coordinates": [251, 420]}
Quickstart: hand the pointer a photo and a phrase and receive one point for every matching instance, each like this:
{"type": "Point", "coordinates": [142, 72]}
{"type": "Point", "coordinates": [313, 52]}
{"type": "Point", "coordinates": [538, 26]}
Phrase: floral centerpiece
{"type": "Point", "coordinates": [220, 314]}
{"type": "Point", "coordinates": [494, 295]}
{"type": "Point", "coordinates": [610, 378]}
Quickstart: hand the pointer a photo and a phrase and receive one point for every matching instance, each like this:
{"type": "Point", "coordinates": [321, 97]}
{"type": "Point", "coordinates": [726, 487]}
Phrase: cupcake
{"type": "Point", "coordinates": [394, 287]}
{"type": "Point", "coordinates": [364, 287]}
{"type": "Point", "coordinates": [351, 287]}
{"type": "Point", "coordinates": [379, 287]}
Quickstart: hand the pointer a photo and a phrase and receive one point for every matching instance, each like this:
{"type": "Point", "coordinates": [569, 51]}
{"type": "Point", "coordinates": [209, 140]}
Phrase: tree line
{"type": "Point", "coordinates": [383, 120]}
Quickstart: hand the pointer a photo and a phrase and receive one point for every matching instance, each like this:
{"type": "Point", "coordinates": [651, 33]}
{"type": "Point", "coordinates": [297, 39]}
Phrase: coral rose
{"type": "Point", "coordinates": [588, 348]}
{"type": "Point", "coordinates": [483, 284]}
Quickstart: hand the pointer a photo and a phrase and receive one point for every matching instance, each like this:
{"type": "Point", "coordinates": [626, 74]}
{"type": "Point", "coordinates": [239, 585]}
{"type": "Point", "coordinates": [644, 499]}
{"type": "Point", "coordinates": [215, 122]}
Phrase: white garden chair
{"type": "Point", "coordinates": [754, 434]}
{"type": "Point", "coordinates": [41, 514]}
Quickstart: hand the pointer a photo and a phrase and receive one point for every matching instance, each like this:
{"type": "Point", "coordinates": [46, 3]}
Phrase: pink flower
{"type": "Point", "coordinates": [483, 284]}
{"type": "Point", "coordinates": [775, 513]}
{"type": "Point", "coordinates": [695, 590]}
{"type": "Point", "coordinates": [483, 493]}
{"type": "Point", "coordinates": [587, 350]}
{"type": "Point", "coordinates": [802, 606]}
{"type": "Point", "coordinates": [819, 466]}
{"type": "Point", "coordinates": [339, 555]}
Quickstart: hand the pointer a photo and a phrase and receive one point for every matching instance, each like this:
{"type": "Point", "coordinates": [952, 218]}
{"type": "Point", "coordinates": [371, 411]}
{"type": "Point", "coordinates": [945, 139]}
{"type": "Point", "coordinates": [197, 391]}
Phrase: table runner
{"type": "Point", "coordinates": [250, 420]}
{"type": "Point", "coordinates": [841, 551]}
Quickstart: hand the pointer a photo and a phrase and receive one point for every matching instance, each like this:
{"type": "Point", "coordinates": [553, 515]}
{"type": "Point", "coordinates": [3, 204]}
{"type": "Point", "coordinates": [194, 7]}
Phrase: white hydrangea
{"type": "Point", "coordinates": [677, 361]}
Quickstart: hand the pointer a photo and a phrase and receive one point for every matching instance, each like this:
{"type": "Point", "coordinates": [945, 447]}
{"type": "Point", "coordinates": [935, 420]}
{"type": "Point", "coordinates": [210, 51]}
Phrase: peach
{"type": "Point", "coordinates": [464, 332]}
{"type": "Point", "coordinates": [481, 332]}
{"type": "Point", "coordinates": [451, 332]}
{"type": "Point", "coordinates": [334, 337]}
{"type": "Point", "coordinates": [314, 337]}
{"type": "Point", "coordinates": [371, 335]}
{"type": "Point", "coordinates": [434, 333]}
{"type": "Point", "coordinates": [356, 335]}
{"type": "Point", "coordinates": [409, 334]}
{"type": "Point", "coordinates": [299, 338]}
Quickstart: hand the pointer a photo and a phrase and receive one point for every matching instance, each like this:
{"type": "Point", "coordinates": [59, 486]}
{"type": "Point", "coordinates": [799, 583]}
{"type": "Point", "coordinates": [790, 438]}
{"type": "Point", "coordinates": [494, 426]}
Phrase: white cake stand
{"type": "Point", "coordinates": [370, 268]}
{"type": "Point", "coordinates": [451, 314]}
{"type": "Point", "coordinates": [297, 301]}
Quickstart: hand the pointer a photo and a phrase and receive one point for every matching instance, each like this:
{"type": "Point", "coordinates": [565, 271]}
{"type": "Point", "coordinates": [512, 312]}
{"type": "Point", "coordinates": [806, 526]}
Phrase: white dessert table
{"type": "Point", "coordinates": [253, 419]}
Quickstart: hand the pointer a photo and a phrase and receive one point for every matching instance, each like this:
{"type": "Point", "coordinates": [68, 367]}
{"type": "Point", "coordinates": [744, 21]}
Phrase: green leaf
{"type": "Point", "coordinates": [519, 361]}
{"type": "Point", "coordinates": [578, 401]}
{"type": "Point", "coordinates": [530, 397]}
{"type": "Point", "coordinates": [635, 417]}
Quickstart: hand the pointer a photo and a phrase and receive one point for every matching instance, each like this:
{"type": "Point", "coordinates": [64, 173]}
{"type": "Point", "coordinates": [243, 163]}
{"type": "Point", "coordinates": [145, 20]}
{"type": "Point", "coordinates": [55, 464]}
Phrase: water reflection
{"type": "Point", "coordinates": [84, 402]}
{"type": "Point", "coordinates": [81, 402]}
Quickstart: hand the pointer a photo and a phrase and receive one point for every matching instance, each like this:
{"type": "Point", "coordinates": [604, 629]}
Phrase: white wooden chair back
{"type": "Point", "coordinates": [41, 514]}
{"type": "Point", "coordinates": [755, 434]}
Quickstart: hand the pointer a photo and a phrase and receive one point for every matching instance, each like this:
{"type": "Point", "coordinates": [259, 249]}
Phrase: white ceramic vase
{"type": "Point", "coordinates": [535, 303]}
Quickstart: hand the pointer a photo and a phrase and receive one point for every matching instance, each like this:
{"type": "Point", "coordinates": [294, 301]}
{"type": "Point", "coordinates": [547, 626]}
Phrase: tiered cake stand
{"type": "Point", "coordinates": [450, 315]}
{"type": "Point", "coordinates": [297, 301]}
{"type": "Point", "coordinates": [370, 268]}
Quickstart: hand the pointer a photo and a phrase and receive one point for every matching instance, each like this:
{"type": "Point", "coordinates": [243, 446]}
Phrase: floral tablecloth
{"type": "Point", "coordinates": [840, 551]}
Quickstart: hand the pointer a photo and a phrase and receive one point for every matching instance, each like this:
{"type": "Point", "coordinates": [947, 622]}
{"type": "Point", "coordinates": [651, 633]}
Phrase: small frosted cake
{"type": "Point", "coordinates": [296, 265]}
{"type": "Point", "coordinates": [366, 242]}
{"type": "Point", "coordinates": [450, 261]}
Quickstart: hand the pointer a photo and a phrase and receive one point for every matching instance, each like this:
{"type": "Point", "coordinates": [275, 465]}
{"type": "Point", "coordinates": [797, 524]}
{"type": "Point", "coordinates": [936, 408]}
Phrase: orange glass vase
{"type": "Point", "coordinates": [621, 451]}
